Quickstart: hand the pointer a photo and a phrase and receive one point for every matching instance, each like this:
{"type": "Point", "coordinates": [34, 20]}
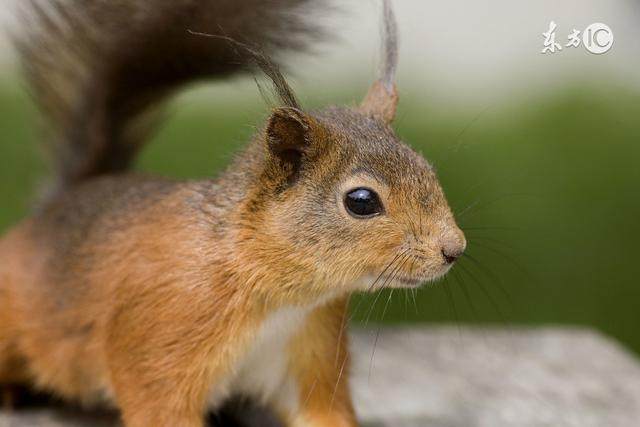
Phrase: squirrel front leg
{"type": "Point", "coordinates": [166, 401]}
{"type": "Point", "coordinates": [157, 385]}
{"type": "Point", "coordinates": [163, 362]}
{"type": "Point", "coordinates": [319, 365]}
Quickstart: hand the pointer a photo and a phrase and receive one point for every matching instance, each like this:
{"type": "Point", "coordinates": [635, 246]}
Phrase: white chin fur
{"type": "Point", "coordinates": [372, 282]}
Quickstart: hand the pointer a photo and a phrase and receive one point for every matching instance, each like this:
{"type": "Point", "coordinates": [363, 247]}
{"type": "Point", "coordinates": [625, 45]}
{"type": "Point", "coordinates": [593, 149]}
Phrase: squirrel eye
{"type": "Point", "coordinates": [362, 203]}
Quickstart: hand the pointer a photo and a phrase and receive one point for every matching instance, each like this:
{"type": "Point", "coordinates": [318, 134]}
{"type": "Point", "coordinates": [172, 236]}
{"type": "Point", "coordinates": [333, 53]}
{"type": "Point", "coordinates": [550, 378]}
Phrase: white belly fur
{"type": "Point", "coordinates": [262, 372]}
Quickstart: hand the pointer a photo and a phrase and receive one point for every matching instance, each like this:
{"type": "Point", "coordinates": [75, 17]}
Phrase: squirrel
{"type": "Point", "coordinates": [164, 298]}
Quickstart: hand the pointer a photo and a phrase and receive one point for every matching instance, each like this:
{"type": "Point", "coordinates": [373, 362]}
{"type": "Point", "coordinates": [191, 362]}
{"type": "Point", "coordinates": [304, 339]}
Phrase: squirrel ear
{"type": "Point", "coordinates": [287, 132]}
{"type": "Point", "coordinates": [287, 136]}
{"type": "Point", "coordinates": [381, 101]}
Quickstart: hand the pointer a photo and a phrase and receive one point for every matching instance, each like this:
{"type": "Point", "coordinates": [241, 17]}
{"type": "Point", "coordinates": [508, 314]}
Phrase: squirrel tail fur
{"type": "Point", "coordinates": [99, 68]}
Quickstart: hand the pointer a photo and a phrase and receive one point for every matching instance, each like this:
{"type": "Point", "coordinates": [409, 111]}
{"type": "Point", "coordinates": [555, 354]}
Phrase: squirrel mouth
{"type": "Point", "coordinates": [402, 281]}
{"type": "Point", "coordinates": [410, 282]}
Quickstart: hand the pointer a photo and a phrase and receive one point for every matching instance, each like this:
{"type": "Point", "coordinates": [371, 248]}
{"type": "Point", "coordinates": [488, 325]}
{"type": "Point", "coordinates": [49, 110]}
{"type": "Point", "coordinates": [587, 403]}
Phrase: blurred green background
{"type": "Point", "coordinates": [545, 187]}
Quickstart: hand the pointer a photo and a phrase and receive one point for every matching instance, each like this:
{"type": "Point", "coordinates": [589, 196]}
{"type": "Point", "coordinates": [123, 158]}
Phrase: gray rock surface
{"type": "Point", "coordinates": [468, 377]}
{"type": "Point", "coordinates": [445, 377]}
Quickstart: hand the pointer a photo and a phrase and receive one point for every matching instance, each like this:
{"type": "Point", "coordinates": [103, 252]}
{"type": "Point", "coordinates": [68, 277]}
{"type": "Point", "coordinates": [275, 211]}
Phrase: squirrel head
{"type": "Point", "coordinates": [340, 200]}
{"type": "Point", "coordinates": [343, 199]}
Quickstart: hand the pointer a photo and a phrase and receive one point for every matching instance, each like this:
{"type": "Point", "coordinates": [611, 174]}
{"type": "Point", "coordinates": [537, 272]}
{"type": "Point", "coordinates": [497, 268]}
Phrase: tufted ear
{"type": "Point", "coordinates": [288, 138]}
{"type": "Point", "coordinates": [288, 133]}
{"type": "Point", "coordinates": [382, 99]}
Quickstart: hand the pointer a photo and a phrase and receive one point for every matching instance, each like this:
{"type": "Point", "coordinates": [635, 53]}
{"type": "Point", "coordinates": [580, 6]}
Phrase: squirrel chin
{"type": "Point", "coordinates": [374, 282]}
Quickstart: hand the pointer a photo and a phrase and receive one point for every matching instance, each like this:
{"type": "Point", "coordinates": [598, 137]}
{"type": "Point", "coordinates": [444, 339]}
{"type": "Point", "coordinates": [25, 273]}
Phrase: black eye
{"type": "Point", "coordinates": [362, 203]}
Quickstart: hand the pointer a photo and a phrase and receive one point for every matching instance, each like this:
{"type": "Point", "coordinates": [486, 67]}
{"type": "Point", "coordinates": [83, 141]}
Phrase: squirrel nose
{"type": "Point", "coordinates": [453, 248]}
{"type": "Point", "coordinates": [452, 243]}
{"type": "Point", "coordinates": [450, 257]}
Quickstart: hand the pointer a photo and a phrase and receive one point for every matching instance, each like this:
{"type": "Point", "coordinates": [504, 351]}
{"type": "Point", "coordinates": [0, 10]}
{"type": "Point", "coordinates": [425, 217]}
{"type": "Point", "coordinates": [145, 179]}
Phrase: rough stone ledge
{"type": "Point", "coordinates": [469, 377]}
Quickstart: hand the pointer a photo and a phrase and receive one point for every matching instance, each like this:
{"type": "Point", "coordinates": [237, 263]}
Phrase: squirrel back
{"type": "Point", "coordinates": [98, 70]}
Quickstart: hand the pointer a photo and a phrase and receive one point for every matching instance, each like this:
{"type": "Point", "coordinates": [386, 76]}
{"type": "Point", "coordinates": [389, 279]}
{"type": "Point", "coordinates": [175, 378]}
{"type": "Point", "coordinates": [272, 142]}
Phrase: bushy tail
{"type": "Point", "coordinates": [97, 68]}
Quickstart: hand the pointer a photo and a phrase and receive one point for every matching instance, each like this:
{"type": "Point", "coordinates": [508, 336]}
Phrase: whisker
{"type": "Point", "coordinates": [406, 305]}
{"type": "Point", "coordinates": [452, 303]}
{"type": "Point", "coordinates": [466, 293]}
{"type": "Point", "coordinates": [311, 389]}
{"type": "Point", "coordinates": [488, 295]}
{"type": "Point", "coordinates": [373, 305]}
{"type": "Point", "coordinates": [490, 239]}
{"type": "Point", "coordinates": [335, 388]}
{"type": "Point", "coordinates": [387, 267]}
{"type": "Point", "coordinates": [375, 342]}
{"type": "Point", "coordinates": [458, 139]}
{"type": "Point", "coordinates": [484, 204]}
{"type": "Point", "coordinates": [415, 303]}
{"type": "Point", "coordinates": [497, 228]}
{"type": "Point", "coordinates": [379, 291]}
{"type": "Point", "coordinates": [505, 256]}
{"type": "Point", "coordinates": [497, 280]}
{"type": "Point", "coordinates": [388, 280]}
{"type": "Point", "coordinates": [391, 277]}
{"type": "Point", "coordinates": [421, 257]}
{"type": "Point", "coordinates": [343, 326]}
{"type": "Point", "coordinates": [395, 258]}
{"type": "Point", "coordinates": [386, 306]}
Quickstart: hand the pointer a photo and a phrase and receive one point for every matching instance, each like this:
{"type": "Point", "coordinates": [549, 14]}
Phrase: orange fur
{"type": "Point", "coordinates": [164, 298]}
